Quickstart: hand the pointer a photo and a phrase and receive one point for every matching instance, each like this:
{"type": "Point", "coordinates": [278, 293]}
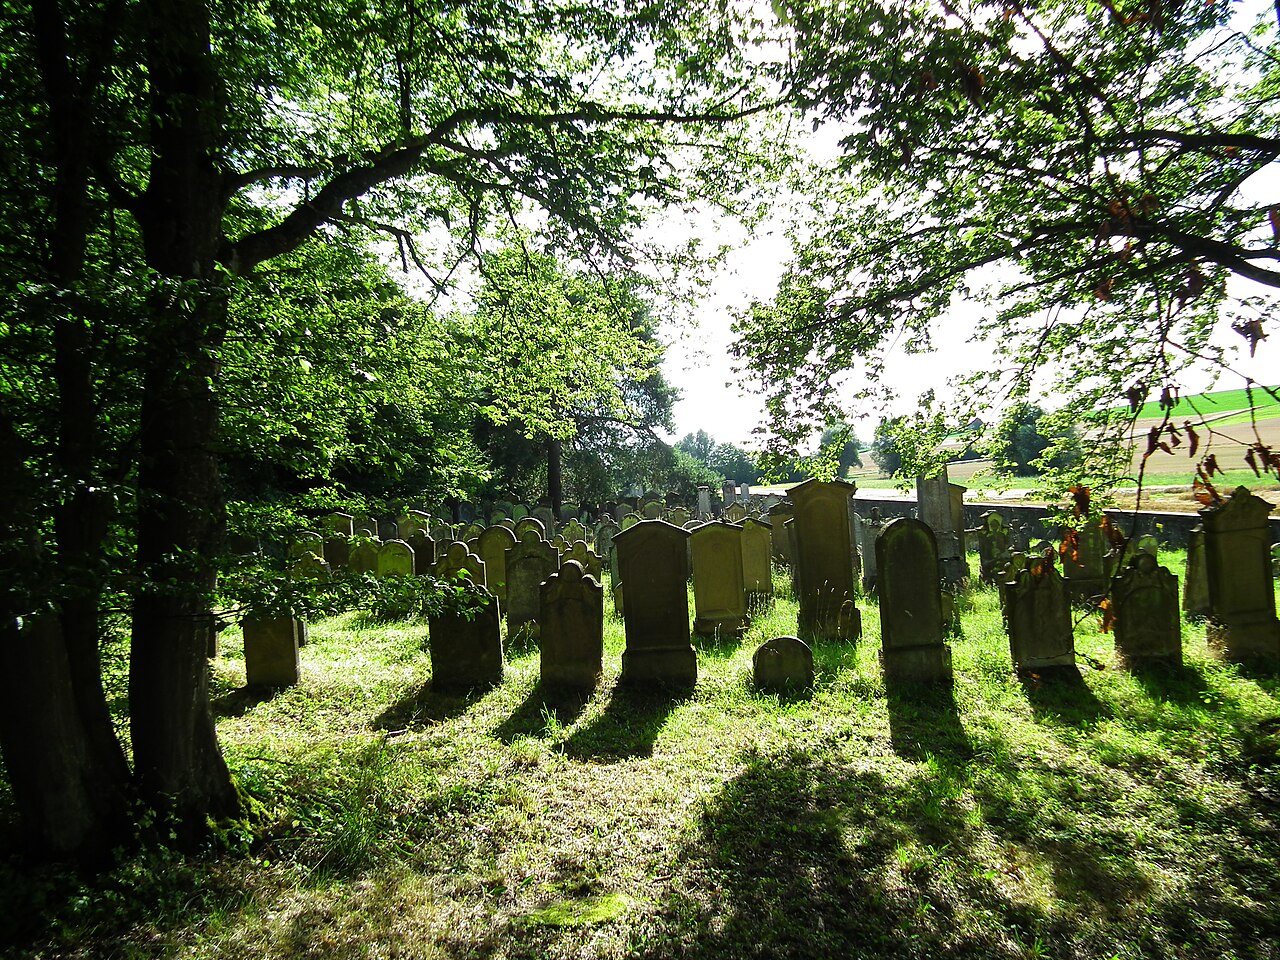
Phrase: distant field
{"type": "Point", "coordinates": [1216, 403]}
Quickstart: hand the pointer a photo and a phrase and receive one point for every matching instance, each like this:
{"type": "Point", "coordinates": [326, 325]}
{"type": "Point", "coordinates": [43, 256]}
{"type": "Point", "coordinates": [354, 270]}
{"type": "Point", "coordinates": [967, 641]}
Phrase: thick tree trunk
{"type": "Point", "coordinates": [177, 761]}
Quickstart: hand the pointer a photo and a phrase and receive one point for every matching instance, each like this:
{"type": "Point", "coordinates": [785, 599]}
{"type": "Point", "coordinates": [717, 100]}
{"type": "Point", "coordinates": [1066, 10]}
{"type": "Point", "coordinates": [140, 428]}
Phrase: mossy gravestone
{"type": "Point", "coordinates": [823, 560]}
{"type": "Point", "coordinates": [1039, 618]}
{"type": "Point", "coordinates": [1242, 600]}
{"type": "Point", "coordinates": [492, 548]}
{"type": "Point", "coordinates": [993, 546]}
{"type": "Point", "coordinates": [911, 610]}
{"type": "Point", "coordinates": [529, 563]}
{"type": "Point", "coordinates": [1148, 625]}
{"type": "Point", "coordinates": [653, 562]}
{"type": "Point", "coordinates": [270, 651]}
{"type": "Point", "coordinates": [783, 664]}
{"type": "Point", "coordinates": [571, 639]}
{"type": "Point", "coordinates": [466, 645]}
{"type": "Point", "coordinates": [719, 592]}
{"type": "Point", "coordinates": [757, 562]}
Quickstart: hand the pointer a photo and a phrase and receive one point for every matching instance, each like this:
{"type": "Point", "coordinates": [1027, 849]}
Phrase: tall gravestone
{"type": "Point", "coordinates": [1195, 587]}
{"type": "Point", "coordinates": [270, 651]}
{"type": "Point", "coordinates": [653, 563]}
{"type": "Point", "coordinates": [757, 562]}
{"type": "Point", "coordinates": [934, 503]}
{"type": "Point", "coordinates": [571, 641]}
{"type": "Point", "coordinates": [719, 590]}
{"type": "Point", "coordinates": [993, 546]}
{"type": "Point", "coordinates": [1242, 600]}
{"type": "Point", "coordinates": [823, 565]}
{"type": "Point", "coordinates": [873, 527]}
{"type": "Point", "coordinates": [1039, 618]}
{"type": "Point", "coordinates": [1148, 624]}
{"type": "Point", "coordinates": [704, 503]}
{"type": "Point", "coordinates": [912, 625]}
{"type": "Point", "coordinates": [529, 562]}
{"type": "Point", "coordinates": [606, 530]}
{"type": "Point", "coordinates": [492, 547]}
{"type": "Point", "coordinates": [466, 647]}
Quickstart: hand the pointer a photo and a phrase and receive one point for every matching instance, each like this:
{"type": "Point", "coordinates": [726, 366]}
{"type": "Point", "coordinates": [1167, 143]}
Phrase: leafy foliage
{"type": "Point", "coordinates": [1027, 439]}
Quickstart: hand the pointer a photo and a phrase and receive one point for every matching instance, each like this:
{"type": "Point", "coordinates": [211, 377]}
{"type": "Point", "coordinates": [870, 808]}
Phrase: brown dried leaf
{"type": "Point", "coordinates": [1108, 615]}
{"type": "Point", "coordinates": [1251, 330]}
{"type": "Point", "coordinates": [1211, 465]}
{"type": "Point", "coordinates": [1251, 459]}
{"type": "Point", "coordinates": [1080, 499]}
{"type": "Point", "coordinates": [1195, 437]}
{"type": "Point", "coordinates": [1070, 546]}
{"type": "Point", "coordinates": [1137, 396]}
{"type": "Point", "coordinates": [1153, 441]}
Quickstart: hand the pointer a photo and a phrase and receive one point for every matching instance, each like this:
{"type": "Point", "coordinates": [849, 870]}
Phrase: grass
{"type": "Point", "coordinates": [1124, 816]}
{"type": "Point", "coordinates": [1214, 403]}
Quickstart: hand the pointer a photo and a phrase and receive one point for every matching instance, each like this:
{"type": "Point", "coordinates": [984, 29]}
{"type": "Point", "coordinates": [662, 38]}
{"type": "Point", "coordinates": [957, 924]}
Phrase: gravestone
{"type": "Point", "coordinates": [388, 530]}
{"type": "Point", "coordinates": [587, 558]}
{"type": "Point", "coordinates": [1242, 600]}
{"type": "Point", "coordinates": [1195, 587]}
{"type": "Point", "coordinates": [340, 528]}
{"type": "Point", "coordinates": [442, 534]}
{"type": "Point", "coordinates": [728, 493]}
{"type": "Point", "coordinates": [571, 640]}
{"type": "Point", "coordinates": [912, 622]}
{"type": "Point", "coordinates": [270, 651]}
{"type": "Point", "coordinates": [530, 523]}
{"type": "Point", "coordinates": [734, 513]}
{"type": "Point", "coordinates": [365, 527]}
{"type": "Point", "coordinates": [934, 505]}
{"type": "Point", "coordinates": [757, 562]}
{"type": "Point", "coordinates": [744, 492]}
{"type": "Point", "coordinates": [424, 550]}
{"type": "Point", "coordinates": [782, 664]}
{"type": "Point", "coordinates": [573, 531]}
{"type": "Point", "coordinates": [1147, 544]}
{"type": "Point", "coordinates": [1148, 625]}
{"type": "Point", "coordinates": [492, 547]}
{"type": "Point", "coordinates": [519, 511]}
{"type": "Point", "coordinates": [678, 515]}
{"type": "Point", "coordinates": [1016, 563]}
{"type": "Point", "coordinates": [652, 509]}
{"type": "Point", "coordinates": [459, 563]}
{"type": "Point", "coordinates": [779, 515]}
{"type": "Point", "coordinates": [530, 561]}
{"type": "Point", "coordinates": [1087, 573]}
{"type": "Point", "coordinates": [993, 546]}
{"type": "Point", "coordinates": [363, 557]}
{"type": "Point", "coordinates": [704, 502]}
{"type": "Point", "coordinates": [630, 520]}
{"type": "Point", "coordinates": [823, 562]}
{"type": "Point", "coordinates": [873, 527]}
{"type": "Point", "coordinates": [653, 563]}
{"type": "Point", "coordinates": [719, 591]}
{"type": "Point", "coordinates": [544, 513]}
{"type": "Point", "coordinates": [306, 543]}
{"type": "Point", "coordinates": [466, 647]}
{"type": "Point", "coordinates": [395, 559]}
{"type": "Point", "coordinates": [471, 533]}
{"type": "Point", "coordinates": [1039, 618]}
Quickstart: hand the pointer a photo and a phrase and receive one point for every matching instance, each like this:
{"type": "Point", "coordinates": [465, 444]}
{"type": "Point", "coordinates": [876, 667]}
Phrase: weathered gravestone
{"type": "Point", "coordinates": [823, 560]}
{"type": "Point", "coordinates": [652, 509]}
{"type": "Point", "coordinates": [270, 651]}
{"type": "Point", "coordinates": [734, 513]}
{"type": "Point", "coordinates": [605, 532]}
{"type": "Point", "coordinates": [1039, 618]}
{"type": "Point", "coordinates": [584, 555]}
{"type": "Point", "coordinates": [530, 523]}
{"type": "Point", "coordinates": [388, 530]}
{"type": "Point", "coordinates": [340, 527]}
{"type": "Point", "coordinates": [313, 568]}
{"type": "Point", "coordinates": [424, 550]}
{"type": "Point", "coordinates": [471, 533]}
{"type": "Point", "coordinates": [935, 506]}
{"type": "Point", "coordinates": [779, 515]}
{"type": "Point", "coordinates": [573, 531]}
{"type": "Point", "coordinates": [492, 547]}
{"type": "Point", "coordinates": [395, 559]}
{"type": "Point", "coordinates": [704, 502]}
{"type": "Point", "coordinates": [782, 664]}
{"type": "Point", "coordinates": [719, 591]}
{"type": "Point", "coordinates": [466, 645]}
{"type": "Point", "coordinates": [459, 563]}
{"type": "Point", "coordinates": [1085, 566]}
{"type": "Point", "coordinates": [1147, 624]}
{"type": "Point", "coordinates": [306, 543]}
{"type": "Point", "coordinates": [1195, 587]}
{"type": "Point", "coordinates": [1242, 601]}
{"type": "Point", "coordinates": [993, 546]}
{"type": "Point", "coordinates": [678, 515]}
{"type": "Point", "coordinates": [728, 493]}
{"type": "Point", "coordinates": [571, 641]}
{"type": "Point", "coordinates": [530, 561]}
{"type": "Point", "coordinates": [872, 529]}
{"type": "Point", "coordinates": [1147, 544]}
{"type": "Point", "coordinates": [757, 562]}
{"type": "Point", "coordinates": [912, 622]}
{"type": "Point", "coordinates": [629, 520]}
{"type": "Point", "coordinates": [363, 557]}
{"type": "Point", "coordinates": [653, 563]}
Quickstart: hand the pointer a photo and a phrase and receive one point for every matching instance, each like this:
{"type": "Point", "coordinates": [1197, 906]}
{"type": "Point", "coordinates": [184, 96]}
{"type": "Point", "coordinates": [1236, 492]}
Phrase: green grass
{"type": "Point", "coordinates": [1124, 816]}
{"type": "Point", "coordinates": [1216, 402]}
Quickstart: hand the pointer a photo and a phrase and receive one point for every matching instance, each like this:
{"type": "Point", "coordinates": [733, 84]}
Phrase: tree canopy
{"type": "Point", "coordinates": [1072, 181]}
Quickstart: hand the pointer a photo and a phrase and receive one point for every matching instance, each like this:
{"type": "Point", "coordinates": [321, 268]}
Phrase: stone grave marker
{"type": "Point", "coordinates": [466, 648]}
{"type": "Point", "coordinates": [340, 528]}
{"type": "Point", "coordinates": [442, 534]}
{"type": "Point", "coordinates": [782, 664]}
{"type": "Point", "coordinates": [823, 561]}
{"type": "Point", "coordinates": [1242, 601]}
{"type": "Point", "coordinates": [544, 513]}
{"type": "Point", "coordinates": [719, 590]}
{"type": "Point", "coordinates": [1039, 617]}
{"type": "Point", "coordinates": [1148, 624]}
{"type": "Point", "coordinates": [424, 550]}
{"type": "Point", "coordinates": [704, 502]}
{"type": "Point", "coordinates": [653, 563]}
{"type": "Point", "coordinates": [728, 493]}
{"type": "Point", "coordinates": [306, 543]}
{"type": "Point", "coordinates": [530, 561]}
{"type": "Point", "coordinates": [573, 531]}
{"type": "Point", "coordinates": [471, 533]}
{"type": "Point", "coordinates": [912, 621]}
{"type": "Point", "coordinates": [630, 520]}
{"type": "Point", "coordinates": [363, 557]}
{"type": "Point", "coordinates": [757, 562]}
{"type": "Point", "coordinates": [395, 559]}
{"type": "Point", "coordinates": [734, 513]}
{"type": "Point", "coordinates": [388, 530]}
{"type": "Point", "coordinates": [652, 509]}
{"type": "Point", "coordinates": [1087, 573]}
{"type": "Point", "coordinates": [678, 515]}
{"type": "Point", "coordinates": [779, 515]}
{"type": "Point", "coordinates": [587, 558]}
{"type": "Point", "coordinates": [1195, 587]}
{"type": "Point", "coordinates": [459, 563]}
{"type": "Point", "coordinates": [519, 511]}
{"type": "Point", "coordinates": [873, 527]}
{"type": "Point", "coordinates": [530, 523]}
{"type": "Point", "coordinates": [1147, 544]}
{"type": "Point", "coordinates": [270, 651]}
{"type": "Point", "coordinates": [366, 527]}
{"type": "Point", "coordinates": [935, 506]}
{"type": "Point", "coordinates": [492, 547]}
{"type": "Point", "coordinates": [606, 530]}
{"type": "Point", "coordinates": [993, 546]}
{"type": "Point", "coordinates": [571, 639]}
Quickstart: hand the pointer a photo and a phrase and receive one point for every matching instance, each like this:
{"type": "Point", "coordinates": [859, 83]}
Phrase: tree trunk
{"type": "Point", "coordinates": [555, 482]}
{"type": "Point", "coordinates": [177, 761]}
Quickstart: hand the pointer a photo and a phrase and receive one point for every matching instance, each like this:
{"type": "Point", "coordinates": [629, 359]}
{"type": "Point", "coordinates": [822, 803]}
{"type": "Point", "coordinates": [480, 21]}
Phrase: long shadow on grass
{"type": "Point", "coordinates": [1184, 685]}
{"type": "Point", "coordinates": [426, 705]}
{"type": "Point", "coordinates": [628, 725]}
{"type": "Point", "coordinates": [539, 709]}
{"type": "Point", "coordinates": [1060, 695]}
{"type": "Point", "coordinates": [924, 721]}
{"type": "Point", "coordinates": [238, 701]}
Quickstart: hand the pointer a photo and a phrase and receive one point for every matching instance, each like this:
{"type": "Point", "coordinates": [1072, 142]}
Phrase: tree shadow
{"type": "Point", "coordinates": [543, 706]}
{"type": "Point", "coordinates": [628, 725]}
{"type": "Point", "coordinates": [426, 705]}
{"type": "Point", "coordinates": [238, 701]}
{"type": "Point", "coordinates": [1060, 695]}
{"type": "Point", "coordinates": [925, 721]}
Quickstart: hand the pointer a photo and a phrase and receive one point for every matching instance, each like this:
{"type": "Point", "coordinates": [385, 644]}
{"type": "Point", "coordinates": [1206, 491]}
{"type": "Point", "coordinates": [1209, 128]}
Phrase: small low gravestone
{"type": "Point", "coordinates": [782, 664]}
{"type": "Point", "coordinates": [270, 651]}
{"type": "Point", "coordinates": [912, 621]}
{"type": "Point", "coordinates": [1085, 567]}
{"type": "Point", "coordinates": [1039, 618]}
{"type": "Point", "coordinates": [571, 639]}
{"type": "Point", "coordinates": [1148, 625]}
{"type": "Point", "coordinates": [395, 559]}
{"type": "Point", "coordinates": [466, 646]}
{"type": "Point", "coordinates": [993, 546]}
